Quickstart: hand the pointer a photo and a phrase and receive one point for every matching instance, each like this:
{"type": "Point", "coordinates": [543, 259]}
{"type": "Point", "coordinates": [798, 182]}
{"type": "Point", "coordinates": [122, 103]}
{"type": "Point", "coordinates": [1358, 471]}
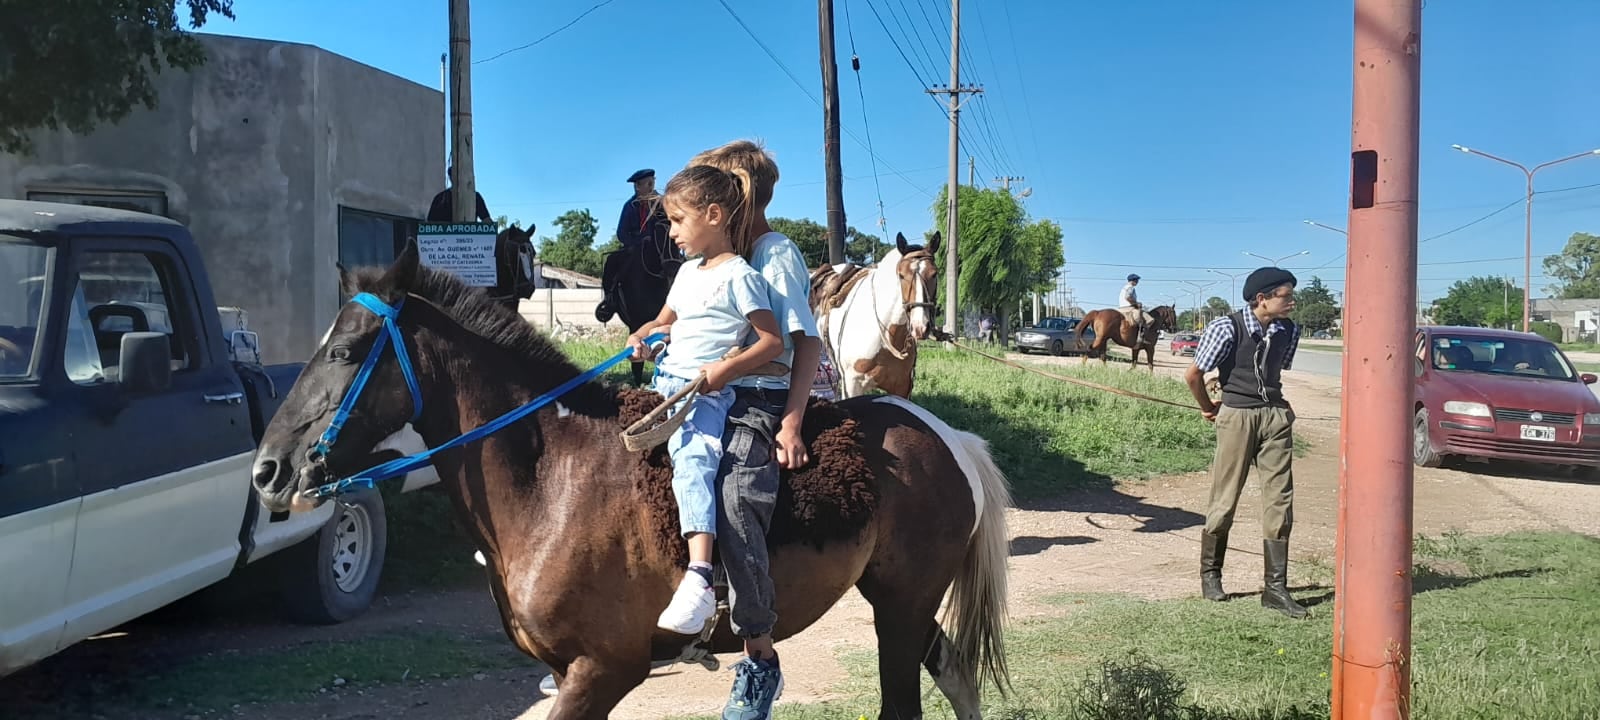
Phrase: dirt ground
{"type": "Point", "coordinates": [1141, 538]}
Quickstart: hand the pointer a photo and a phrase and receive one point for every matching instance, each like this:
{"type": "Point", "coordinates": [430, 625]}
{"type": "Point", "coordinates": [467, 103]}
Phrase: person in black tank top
{"type": "Point", "coordinates": [1250, 349]}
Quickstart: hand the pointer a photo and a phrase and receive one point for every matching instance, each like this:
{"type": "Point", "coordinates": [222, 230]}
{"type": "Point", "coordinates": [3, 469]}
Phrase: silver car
{"type": "Point", "coordinates": [1055, 335]}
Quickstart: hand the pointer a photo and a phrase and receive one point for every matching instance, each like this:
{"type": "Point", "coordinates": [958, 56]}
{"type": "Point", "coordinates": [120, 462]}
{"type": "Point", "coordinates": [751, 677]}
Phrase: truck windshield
{"type": "Point", "coordinates": [24, 264]}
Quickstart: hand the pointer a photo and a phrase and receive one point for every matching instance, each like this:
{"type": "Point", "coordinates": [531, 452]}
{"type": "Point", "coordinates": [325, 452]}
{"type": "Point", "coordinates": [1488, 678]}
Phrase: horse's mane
{"type": "Point", "coordinates": [472, 308]}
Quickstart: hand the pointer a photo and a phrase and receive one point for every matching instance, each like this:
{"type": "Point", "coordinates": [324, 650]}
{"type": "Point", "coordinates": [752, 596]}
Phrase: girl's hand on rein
{"type": "Point", "coordinates": [718, 375]}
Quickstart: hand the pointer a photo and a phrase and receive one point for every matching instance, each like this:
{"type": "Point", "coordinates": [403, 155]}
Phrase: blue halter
{"type": "Point", "coordinates": [400, 466]}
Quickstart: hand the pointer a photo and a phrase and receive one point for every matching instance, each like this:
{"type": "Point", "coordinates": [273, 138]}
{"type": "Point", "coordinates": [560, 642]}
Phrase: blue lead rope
{"type": "Point", "coordinates": [391, 332]}
{"type": "Point", "coordinates": [400, 466]}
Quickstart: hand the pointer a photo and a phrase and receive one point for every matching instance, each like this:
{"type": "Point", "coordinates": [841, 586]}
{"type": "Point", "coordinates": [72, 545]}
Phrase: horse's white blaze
{"type": "Point", "coordinates": [952, 440]}
{"type": "Point", "coordinates": [919, 315]}
{"type": "Point", "coordinates": [562, 410]}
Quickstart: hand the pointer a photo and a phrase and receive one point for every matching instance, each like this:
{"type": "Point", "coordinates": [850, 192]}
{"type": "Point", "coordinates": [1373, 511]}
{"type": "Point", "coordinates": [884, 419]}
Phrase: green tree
{"type": "Point", "coordinates": [1217, 307]}
{"type": "Point", "coordinates": [1315, 307]}
{"type": "Point", "coordinates": [812, 237]}
{"type": "Point", "coordinates": [1479, 302]}
{"type": "Point", "coordinates": [1575, 268]}
{"type": "Point", "coordinates": [1003, 255]}
{"type": "Point", "coordinates": [573, 247]}
{"type": "Point", "coordinates": [76, 64]}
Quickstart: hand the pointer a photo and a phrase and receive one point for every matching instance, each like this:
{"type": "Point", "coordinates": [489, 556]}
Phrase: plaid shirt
{"type": "Point", "coordinates": [1216, 342]}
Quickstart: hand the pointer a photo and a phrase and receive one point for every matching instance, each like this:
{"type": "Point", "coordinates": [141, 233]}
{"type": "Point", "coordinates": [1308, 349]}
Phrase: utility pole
{"type": "Point", "coordinates": [1372, 658]}
{"type": "Point", "coordinates": [444, 90]}
{"type": "Point", "coordinates": [1006, 181]}
{"type": "Point", "coordinates": [972, 172]}
{"type": "Point", "coordinates": [830, 134]}
{"type": "Point", "coordinates": [464, 191]}
{"type": "Point", "coordinates": [955, 91]}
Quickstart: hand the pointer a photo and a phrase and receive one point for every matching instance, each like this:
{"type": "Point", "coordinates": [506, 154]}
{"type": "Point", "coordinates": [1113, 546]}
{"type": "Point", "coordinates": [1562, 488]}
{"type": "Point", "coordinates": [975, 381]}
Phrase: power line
{"type": "Point", "coordinates": [548, 35]}
{"type": "Point", "coordinates": [807, 91]}
{"type": "Point", "coordinates": [855, 64]}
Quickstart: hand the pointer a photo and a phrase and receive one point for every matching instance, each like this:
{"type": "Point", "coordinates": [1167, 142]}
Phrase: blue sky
{"type": "Point", "coordinates": [1166, 137]}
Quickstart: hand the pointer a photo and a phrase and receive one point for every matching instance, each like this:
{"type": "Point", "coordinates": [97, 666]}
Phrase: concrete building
{"type": "Point", "coordinates": [281, 158]}
{"type": "Point", "coordinates": [1579, 319]}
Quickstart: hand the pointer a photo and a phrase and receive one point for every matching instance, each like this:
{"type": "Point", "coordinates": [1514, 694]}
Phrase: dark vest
{"type": "Point", "coordinates": [1252, 375]}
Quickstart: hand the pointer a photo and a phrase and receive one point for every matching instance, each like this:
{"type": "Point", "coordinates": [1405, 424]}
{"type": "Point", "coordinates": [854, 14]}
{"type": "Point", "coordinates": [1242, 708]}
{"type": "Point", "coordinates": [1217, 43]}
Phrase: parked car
{"type": "Point", "coordinates": [1185, 343]}
{"type": "Point", "coordinates": [1499, 394]}
{"type": "Point", "coordinates": [128, 426]}
{"type": "Point", "coordinates": [1055, 335]}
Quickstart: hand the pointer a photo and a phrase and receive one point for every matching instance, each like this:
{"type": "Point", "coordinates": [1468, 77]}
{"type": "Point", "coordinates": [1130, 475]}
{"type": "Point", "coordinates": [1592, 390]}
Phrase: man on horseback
{"type": "Point", "coordinates": [1131, 309]}
{"type": "Point", "coordinates": [636, 278]}
{"type": "Point", "coordinates": [443, 208]}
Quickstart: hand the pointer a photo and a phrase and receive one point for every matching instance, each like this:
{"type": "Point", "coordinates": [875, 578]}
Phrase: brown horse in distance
{"type": "Point", "coordinates": [581, 537]}
{"type": "Point", "coordinates": [1110, 324]}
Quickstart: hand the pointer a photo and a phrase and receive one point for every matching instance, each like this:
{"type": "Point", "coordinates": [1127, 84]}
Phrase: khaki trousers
{"type": "Point", "coordinates": [1263, 437]}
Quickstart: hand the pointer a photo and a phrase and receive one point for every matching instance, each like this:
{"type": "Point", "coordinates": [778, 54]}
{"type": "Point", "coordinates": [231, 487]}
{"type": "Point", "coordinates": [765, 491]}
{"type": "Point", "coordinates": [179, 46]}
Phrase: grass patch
{"type": "Point", "coordinates": [1502, 627]}
{"type": "Point", "coordinates": [221, 680]}
{"type": "Point", "coordinates": [1049, 436]}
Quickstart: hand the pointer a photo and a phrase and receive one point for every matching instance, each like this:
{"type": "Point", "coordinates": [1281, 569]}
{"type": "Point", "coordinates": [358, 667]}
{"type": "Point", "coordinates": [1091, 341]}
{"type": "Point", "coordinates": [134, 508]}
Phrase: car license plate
{"type": "Point", "coordinates": [1538, 432]}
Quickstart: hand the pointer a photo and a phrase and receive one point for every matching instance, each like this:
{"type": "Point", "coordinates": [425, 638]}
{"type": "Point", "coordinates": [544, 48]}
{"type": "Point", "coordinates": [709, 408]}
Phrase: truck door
{"type": "Point", "coordinates": [39, 495]}
{"type": "Point", "coordinates": [165, 473]}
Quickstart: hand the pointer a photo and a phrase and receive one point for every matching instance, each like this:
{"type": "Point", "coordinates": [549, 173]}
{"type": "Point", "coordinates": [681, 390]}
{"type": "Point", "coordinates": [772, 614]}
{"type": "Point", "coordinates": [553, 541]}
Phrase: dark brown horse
{"type": "Point", "coordinates": [513, 264]}
{"type": "Point", "coordinates": [1110, 324]}
{"type": "Point", "coordinates": [580, 536]}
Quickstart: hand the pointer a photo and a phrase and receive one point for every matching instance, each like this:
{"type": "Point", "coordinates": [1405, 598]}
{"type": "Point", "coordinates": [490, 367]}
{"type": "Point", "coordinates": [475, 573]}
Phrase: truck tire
{"type": "Point", "coordinates": [332, 576]}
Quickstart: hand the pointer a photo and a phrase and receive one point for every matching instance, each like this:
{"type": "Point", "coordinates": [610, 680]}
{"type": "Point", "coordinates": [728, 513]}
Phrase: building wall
{"type": "Point", "coordinates": [255, 151]}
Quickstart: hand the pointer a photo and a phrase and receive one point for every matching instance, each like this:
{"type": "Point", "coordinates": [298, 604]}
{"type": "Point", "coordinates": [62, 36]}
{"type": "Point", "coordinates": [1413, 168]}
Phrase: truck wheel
{"type": "Point", "coordinates": [1422, 452]}
{"type": "Point", "coordinates": [332, 576]}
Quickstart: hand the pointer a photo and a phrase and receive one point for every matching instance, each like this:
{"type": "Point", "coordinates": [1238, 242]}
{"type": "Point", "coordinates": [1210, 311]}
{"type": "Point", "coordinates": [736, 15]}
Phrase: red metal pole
{"type": "Point", "coordinates": [1372, 601]}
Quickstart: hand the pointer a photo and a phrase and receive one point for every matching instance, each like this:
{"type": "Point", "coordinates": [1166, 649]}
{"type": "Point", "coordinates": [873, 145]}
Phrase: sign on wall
{"type": "Point", "coordinates": [465, 249]}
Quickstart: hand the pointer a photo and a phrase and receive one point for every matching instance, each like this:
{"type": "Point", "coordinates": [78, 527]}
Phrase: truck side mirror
{"type": "Point", "coordinates": [145, 363]}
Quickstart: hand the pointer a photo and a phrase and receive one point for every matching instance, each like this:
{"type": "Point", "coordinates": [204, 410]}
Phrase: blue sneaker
{"type": "Point", "coordinates": [756, 686]}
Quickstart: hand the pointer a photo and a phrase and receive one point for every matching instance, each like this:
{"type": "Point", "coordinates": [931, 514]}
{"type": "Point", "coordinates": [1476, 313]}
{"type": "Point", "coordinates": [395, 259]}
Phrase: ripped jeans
{"type": "Point", "coordinates": [696, 450]}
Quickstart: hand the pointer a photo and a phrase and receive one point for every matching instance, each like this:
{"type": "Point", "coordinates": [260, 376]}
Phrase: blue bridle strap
{"type": "Point", "coordinates": [391, 333]}
{"type": "Point", "coordinates": [370, 477]}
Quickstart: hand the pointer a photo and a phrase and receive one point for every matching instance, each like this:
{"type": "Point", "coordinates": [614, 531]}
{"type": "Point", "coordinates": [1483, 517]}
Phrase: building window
{"type": "Point", "coordinates": [145, 202]}
{"type": "Point", "coordinates": [369, 238]}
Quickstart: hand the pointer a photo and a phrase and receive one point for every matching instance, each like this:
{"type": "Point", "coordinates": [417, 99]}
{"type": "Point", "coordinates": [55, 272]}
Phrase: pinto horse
{"type": "Point", "coordinates": [1110, 324]}
{"type": "Point", "coordinates": [582, 548]}
{"type": "Point", "coordinates": [635, 282]}
{"type": "Point", "coordinates": [872, 317]}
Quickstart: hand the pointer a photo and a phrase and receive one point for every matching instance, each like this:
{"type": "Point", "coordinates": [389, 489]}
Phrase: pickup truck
{"type": "Point", "coordinates": [129, 418]}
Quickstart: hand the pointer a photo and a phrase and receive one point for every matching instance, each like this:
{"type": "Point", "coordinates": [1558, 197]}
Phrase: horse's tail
{"type": "Point", "coordinates": [977, 608]}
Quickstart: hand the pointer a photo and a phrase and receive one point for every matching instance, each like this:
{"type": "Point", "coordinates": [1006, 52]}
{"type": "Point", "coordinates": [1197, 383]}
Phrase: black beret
{"type": "Point", "coordinates": [1265, 279]}
{"type": "Point", "coordinates": [642, 174]}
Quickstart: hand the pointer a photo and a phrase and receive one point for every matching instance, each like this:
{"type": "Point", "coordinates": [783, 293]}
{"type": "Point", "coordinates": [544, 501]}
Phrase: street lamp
{"type": "Point", "coordinates": [1527, 225]}
{"type": "Point", "coordinates": [1199, 289]}
{"type": "Point", "coordinates": [1233, 284]}
{"type": "Point", "coordinates": [1279, 260]}
{"type": "Point", "coordinates": [1314, 223]}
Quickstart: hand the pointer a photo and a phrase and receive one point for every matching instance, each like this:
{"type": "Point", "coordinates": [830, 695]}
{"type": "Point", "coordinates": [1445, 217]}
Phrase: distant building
{"type": "Point", "coordinates": [281, 158]}
{"type": "Point", "coordinates": [1578, 318]}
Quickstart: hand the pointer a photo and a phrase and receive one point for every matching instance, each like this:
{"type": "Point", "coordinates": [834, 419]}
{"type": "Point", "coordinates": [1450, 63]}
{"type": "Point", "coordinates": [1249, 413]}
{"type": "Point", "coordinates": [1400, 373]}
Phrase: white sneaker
{"type": "Point", "coordinates": [691, 608]}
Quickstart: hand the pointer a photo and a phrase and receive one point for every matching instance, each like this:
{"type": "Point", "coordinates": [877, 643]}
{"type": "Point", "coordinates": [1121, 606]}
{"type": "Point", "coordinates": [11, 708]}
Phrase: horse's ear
{"type": "Point", "coordinates": [900, 242]}
{"type": "Point", "coordinates": [933, 243]}
{"type": "Point", "coordinates": [402, 275]}
{"type": "Point", "coordinates": [347, 282]}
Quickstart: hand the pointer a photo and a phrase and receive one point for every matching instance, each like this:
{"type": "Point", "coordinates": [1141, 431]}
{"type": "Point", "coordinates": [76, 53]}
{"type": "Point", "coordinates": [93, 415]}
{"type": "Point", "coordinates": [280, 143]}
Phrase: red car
{"type": "Point", "coordinates": [1503, 395]}
{"type": "Point", "coordinates": [1185, 343]}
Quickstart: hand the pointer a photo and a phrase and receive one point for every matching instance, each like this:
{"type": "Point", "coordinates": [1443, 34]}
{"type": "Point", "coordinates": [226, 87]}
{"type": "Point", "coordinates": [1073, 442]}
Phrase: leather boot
{"type": "Point", "coordinates": [1212, 550]}
{"type": "Point", "coordinates": [1275, 578]}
